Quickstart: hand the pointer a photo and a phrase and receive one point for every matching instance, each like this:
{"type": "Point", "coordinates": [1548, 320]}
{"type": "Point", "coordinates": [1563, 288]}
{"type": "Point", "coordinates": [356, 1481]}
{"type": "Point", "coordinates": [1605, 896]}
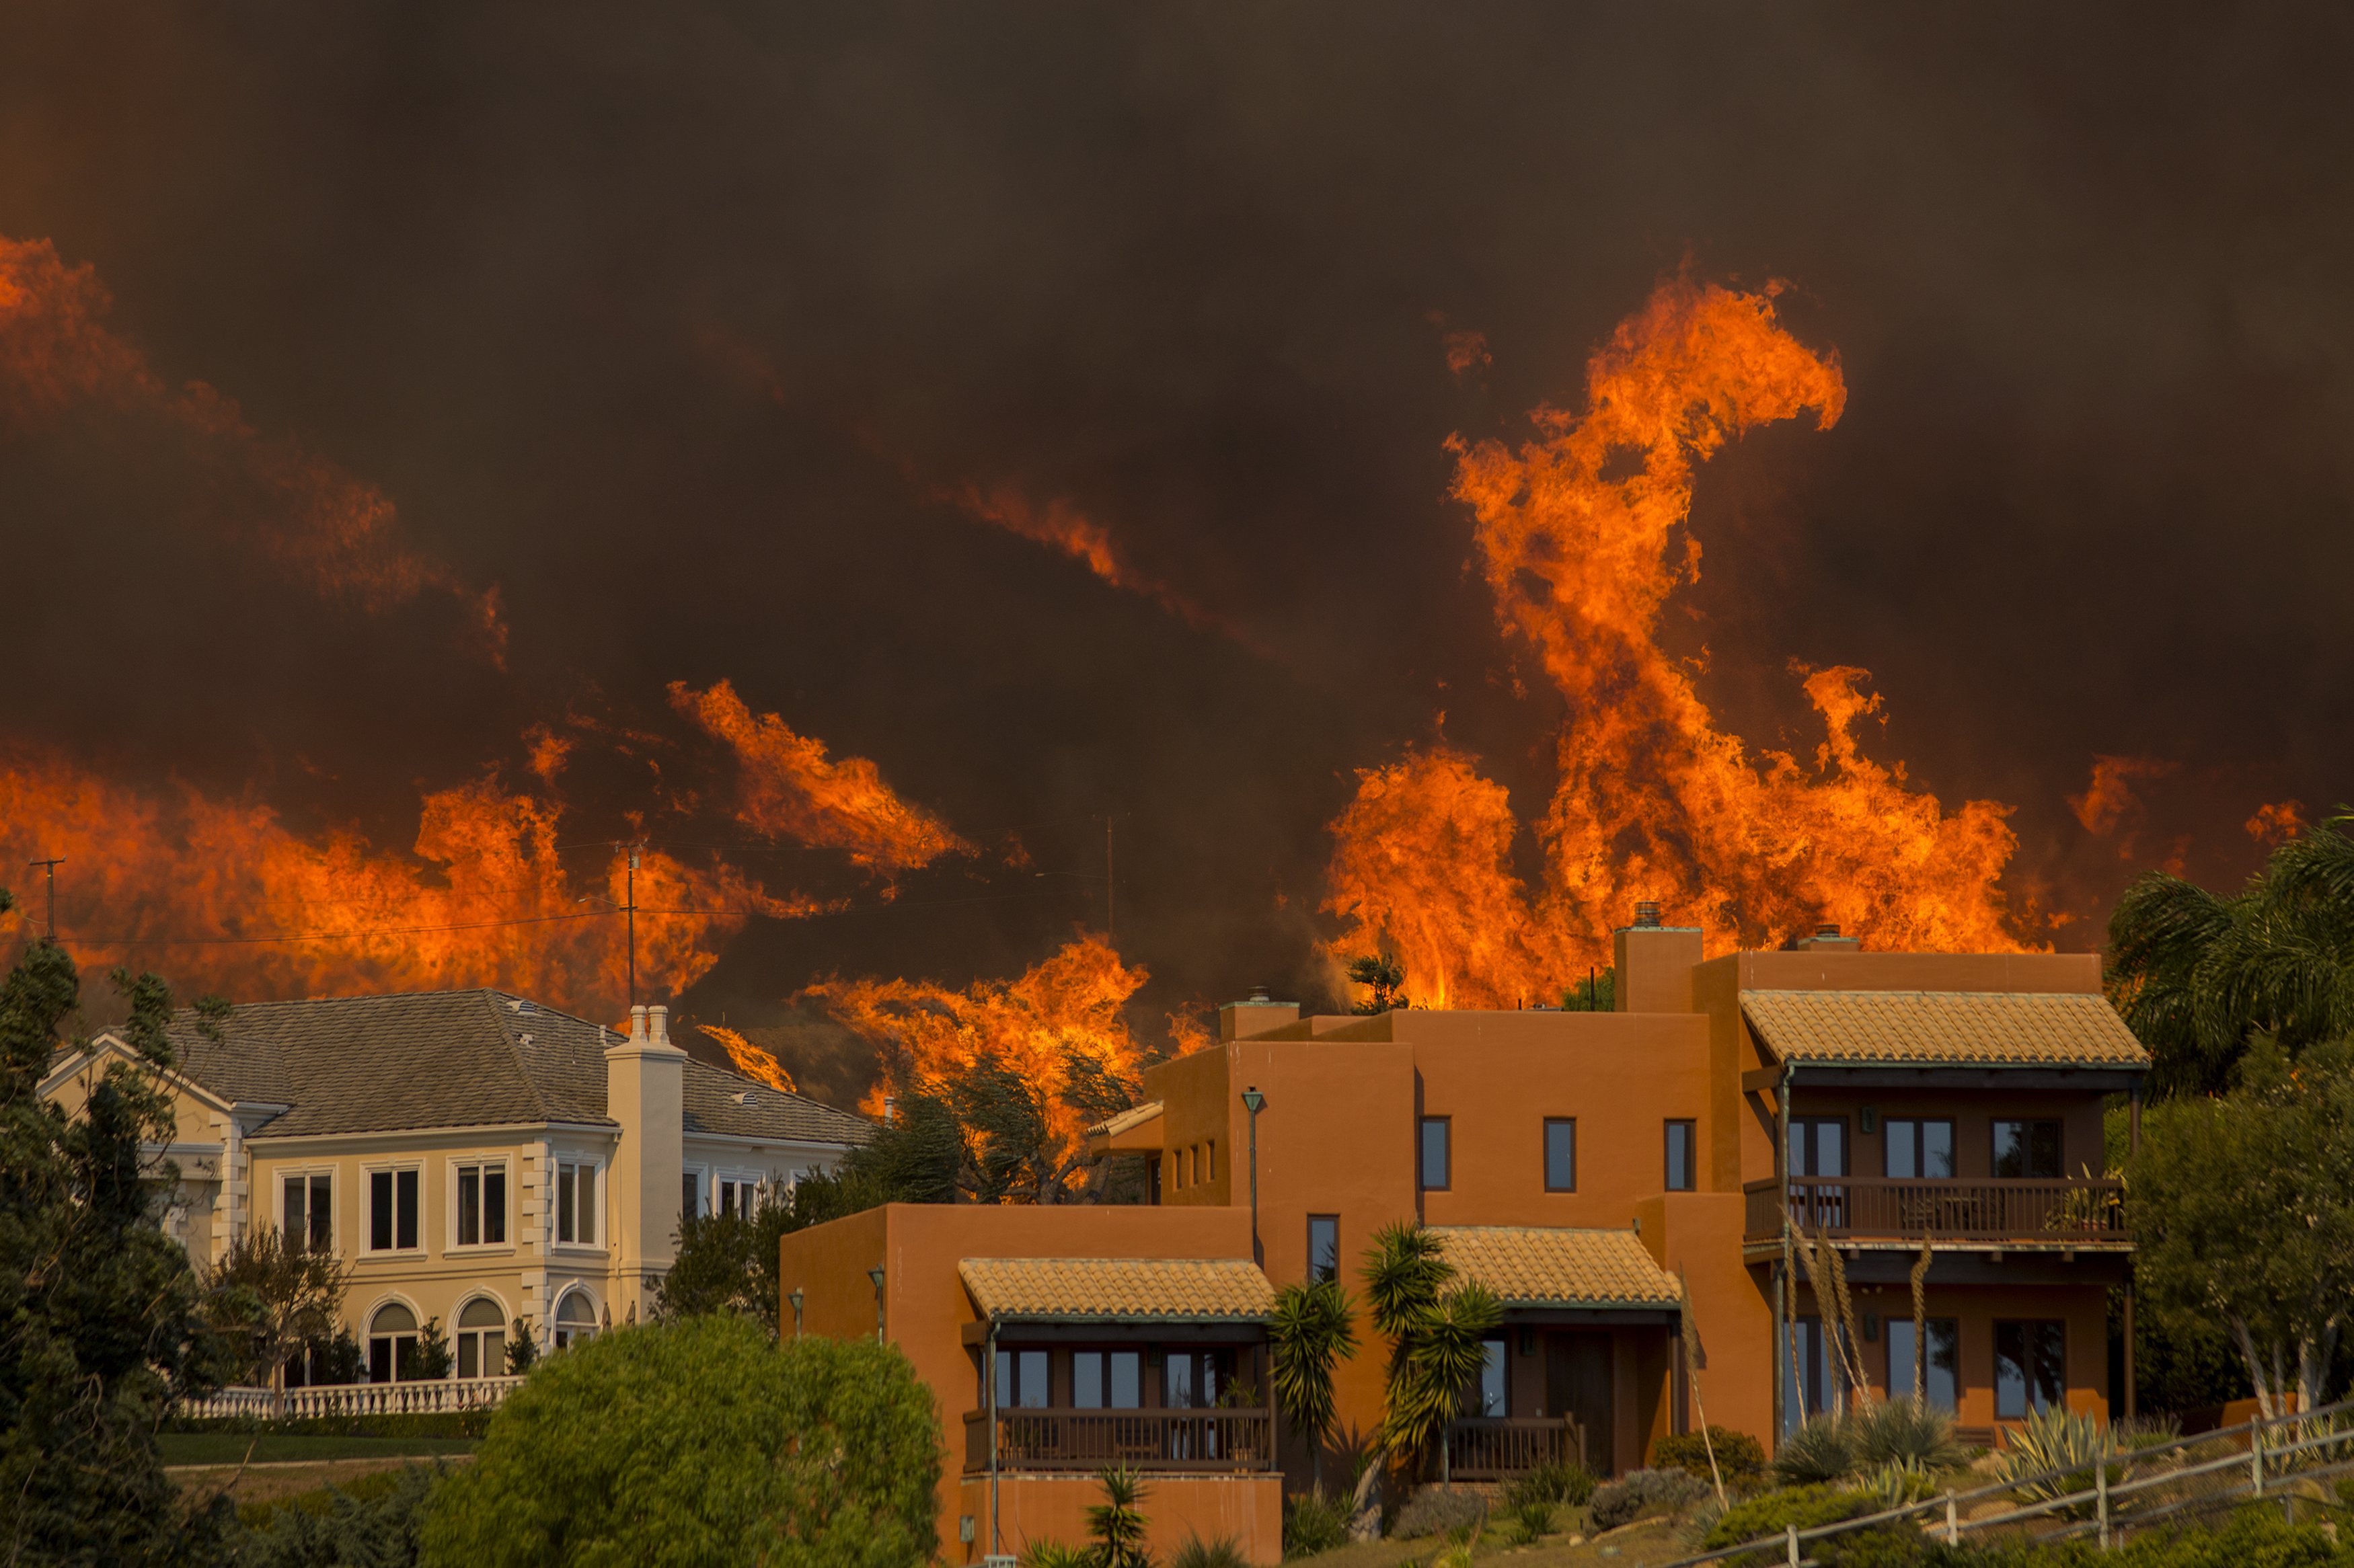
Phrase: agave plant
{"type": "Point", "coordinates": [1899, 1483]}
{"type": "Point", "coordinates": [1222, 1552]}
{"type": "Point", "coordinates": [1821, 1449]}
{"type": "Point", "coordinates": [2055, 1453]}
{"type": "Point", "coordinates": [1052, 1554]}
{"type": "Point", "coordinates": [1904, 1432]}
{"type": "Point", "coordinates": [1531, 1521]}
{"type": "Point", "coordinates": [1119, 1521]}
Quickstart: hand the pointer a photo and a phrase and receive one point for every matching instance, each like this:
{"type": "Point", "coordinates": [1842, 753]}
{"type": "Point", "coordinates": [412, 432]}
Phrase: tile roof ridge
{"type": "Point", "coordinates": [750, 1082]}
{"type": "Point", "coordinates": [489, 999]}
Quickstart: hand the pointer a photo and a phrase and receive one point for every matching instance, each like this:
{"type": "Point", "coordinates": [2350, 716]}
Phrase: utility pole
{"type": "Point", "coordinates": [1111, 926]}
{"type": "Point", "coordinates": [630, 909]}
{"type": "Point", "coordinates": [51, 865]}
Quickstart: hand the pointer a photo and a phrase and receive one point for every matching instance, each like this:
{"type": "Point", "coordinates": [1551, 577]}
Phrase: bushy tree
{"type": "Point", "coordinates": [701, 1441]}
{"type": "Point", "coordinates": [2243, 1207]}
{"type": "Point", "coordinates": [1312, 1329]}
{"type": "Point", "coordinates": [2198, 976]}
{"type": "Point", "coordinates": [275, 1299]}
{"type": "Point", "coordinates": [99, 1308]}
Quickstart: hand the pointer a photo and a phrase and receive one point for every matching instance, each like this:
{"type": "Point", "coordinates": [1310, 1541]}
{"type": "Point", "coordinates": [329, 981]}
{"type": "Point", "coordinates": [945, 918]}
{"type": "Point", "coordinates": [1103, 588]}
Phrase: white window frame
{"type": "Point", "coordinates": [703, 1188]}
{"type": "Point", "coordinates": [595, 1326]}
{"type": "Point", "coordinates": [368, 1174]}
{"type": "Point", "coordinates": [506, 1324]}
{"type": "Point", "coordinates": [280, 1175]}
{"type": "Point", "coordinates": [744, 1181]}
{"type": "Point", "coordinates": [595, 1164]}
{"type": "Point", "coordinates": [505, 1165]}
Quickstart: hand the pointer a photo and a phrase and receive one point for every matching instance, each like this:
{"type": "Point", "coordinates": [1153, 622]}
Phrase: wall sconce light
{"type": "Point", "coordinates": [795, 1297]}
{"type": "Point", "coordinates": [876, 1275]}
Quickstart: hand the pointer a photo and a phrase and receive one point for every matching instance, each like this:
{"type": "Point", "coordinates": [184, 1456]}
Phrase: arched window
{"type": "Point", "coordinates": [576, 1321]}
{"type": "Point", "coordinates": [392, 1344]}
{"type": "Point", "coordinates": [482, 1338]}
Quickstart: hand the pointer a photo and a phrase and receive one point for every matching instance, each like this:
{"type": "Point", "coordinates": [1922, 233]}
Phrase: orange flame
{"type": "Point", "coordinates": [790, 789]}
{"type": "Point", "coordinates": [219, 894]}
{"type": "Point", "coordinates": [2277, 822]}
{"type": "Point", "coordinates": [324, 526]}
{"type": "Point", "coordinates": [928, 1036]}
{"type": "Point", "coordinates": [1576, 535]}
{"type": "Point", "coordinates": [1059, 526]}
{"type": "Point", "coordinates": [750, 1059]}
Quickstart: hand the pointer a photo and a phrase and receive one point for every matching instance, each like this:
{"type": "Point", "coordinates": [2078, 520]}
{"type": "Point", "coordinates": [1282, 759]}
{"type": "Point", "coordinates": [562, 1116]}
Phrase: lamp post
{"type": "Point", "coordinates": [876, 1275]}
{"type": "Point", "coordinates": [1254, 1102]}
{"type": "Point", "coordinates": [795, 1297]}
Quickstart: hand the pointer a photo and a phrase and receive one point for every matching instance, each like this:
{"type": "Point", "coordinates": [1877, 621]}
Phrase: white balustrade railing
{"type": "Point", "coordinates": [429, 1396]}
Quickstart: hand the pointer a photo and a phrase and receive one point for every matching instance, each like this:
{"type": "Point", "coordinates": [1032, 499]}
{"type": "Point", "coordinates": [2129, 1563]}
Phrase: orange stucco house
{"type": "Point", "coordinates": [1606, 1175]}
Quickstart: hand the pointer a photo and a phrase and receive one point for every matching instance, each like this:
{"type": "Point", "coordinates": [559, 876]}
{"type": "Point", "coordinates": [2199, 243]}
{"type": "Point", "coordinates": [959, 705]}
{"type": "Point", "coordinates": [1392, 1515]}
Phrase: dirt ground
{"type": "Point", "coordinates": [264, 1483]}
{"type": "Point", "coordinates": [1638, 1545]}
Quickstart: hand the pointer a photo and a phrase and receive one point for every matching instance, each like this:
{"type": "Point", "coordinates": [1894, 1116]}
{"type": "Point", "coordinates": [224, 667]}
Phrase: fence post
{"type": "Point", "coordinates": [2100, 1485]}
{"type": "Point", "coordinates": [1792, 1538]}
{"type": "Point", "coordinates": [1952, 1525]}
{"type": "Point", "coordinates": [2256, 1455]}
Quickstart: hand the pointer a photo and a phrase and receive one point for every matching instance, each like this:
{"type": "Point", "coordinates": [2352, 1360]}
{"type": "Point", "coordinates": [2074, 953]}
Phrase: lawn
{"type": "Point", "coordinates": [280, 1448]}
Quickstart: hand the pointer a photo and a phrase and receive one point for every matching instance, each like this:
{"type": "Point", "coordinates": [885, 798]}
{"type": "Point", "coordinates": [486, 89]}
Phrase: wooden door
{"type": "Point", "coordinates": [1578, 1384]}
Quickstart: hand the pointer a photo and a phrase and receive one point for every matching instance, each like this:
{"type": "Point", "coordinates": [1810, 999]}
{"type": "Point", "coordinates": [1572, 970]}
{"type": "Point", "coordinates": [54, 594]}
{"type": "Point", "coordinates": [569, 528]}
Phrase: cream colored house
{"type": "Point", "coordinates": [476, 1157]}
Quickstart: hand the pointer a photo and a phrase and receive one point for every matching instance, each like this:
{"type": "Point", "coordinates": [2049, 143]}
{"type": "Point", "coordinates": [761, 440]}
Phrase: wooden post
{"type": "Point", "coordinates": [1953, 1524]}
{"type": "Point", "coordinates": [1792, 1538]}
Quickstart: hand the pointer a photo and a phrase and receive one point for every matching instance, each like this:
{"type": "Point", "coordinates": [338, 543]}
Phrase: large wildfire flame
{"type": "Point", "coordinates": [220, 895]}
{"type": "Point", "coordinates": [318, 524]}
{"type": "Point", "coordinates": [928, 1036]}
{"type": "Point", "coordinates": [1576, 532]}
{"type": "Point", "coordinates": [790, 789]}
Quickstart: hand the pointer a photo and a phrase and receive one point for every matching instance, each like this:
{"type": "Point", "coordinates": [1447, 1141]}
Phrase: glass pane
{"type": "Point", "coordinates": [405, 1200]}
{"type": "Point", "coordinates": [1945, 1364]}
{"type": "Point", "coordinates": [495, 1354]}
{"type": "Point", "coordinates": [2029, 1367]}
{"type": "Point", "coordinates": [1087, 1380]}
{"type": "Point", "coordinates": [1005, 1378]}
{"type": "Point", "coordinates": [296, 1227]}
{"type": "Point", "coordinates": [565, 1225]}
{"type": "Point", "coordinates": [2043, 1149]}
{"type": "Point", "coordinates": [588, 1203]}
{"type": "Point", "coordinates": [1434, 1152]}
{"type": "Point", "coordinates": [494, 1205]}
{"type": "Point", "coordinates": [1127, 1380]}
{"type": "Point", "coordinates": [323, 1210]}
{"type": "Point", "coordinates": [379, 1360]}
{"type": "Point", "coordinates": [1491, 1379]}
{"type": "Point", "coordinates": [1030, 1378]}
{"type": "Point", "coordinates": [1680, 1157]}
{"type": "Point", "coordinates": [1830, 1148]}
{"type": "Point", "coordinates": [1178, 1370]}
{"type": "Point", "coordinates": [1903, 1140]}
{"type": "Point", "coordinates": [1938, 1148]}
{"type": "Point", "coordinates": [1323, 1246]}
{"type": "Point", "coordinates": [690, 1197]}
{"type": "Point", "coordinates": [1898, 1333]}
{"type": "Point", "coordinates": [469, 1205]}
{"type": "Point", "coordinates": [467, 1351]}
{"type": "Point", "coordinates": [1561, 1155]}
{"type": "Point", "coordinates": [380, 1210]}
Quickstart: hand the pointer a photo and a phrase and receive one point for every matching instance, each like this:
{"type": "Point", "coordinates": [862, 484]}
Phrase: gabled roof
{"type": "Point", "coordinates": [1543, 1266]}
{"type": "Point", "coordinates": [455, 1058]}
{"type": "Point", "coordinates": [1117, 1290]}
{"type": "Point", "coordinates": [1936, 1028]}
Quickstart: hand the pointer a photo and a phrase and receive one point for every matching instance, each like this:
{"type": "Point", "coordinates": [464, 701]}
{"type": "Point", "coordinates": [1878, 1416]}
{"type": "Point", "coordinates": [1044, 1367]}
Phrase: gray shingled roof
{"type": "Point", "coordinates": [456, 1058]}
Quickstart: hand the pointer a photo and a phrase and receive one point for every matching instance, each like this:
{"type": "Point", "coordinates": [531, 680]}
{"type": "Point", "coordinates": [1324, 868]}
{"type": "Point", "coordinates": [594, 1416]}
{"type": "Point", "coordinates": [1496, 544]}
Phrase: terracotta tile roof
{"type": "Point", "coordinates": [1963, 1027]}
{"type": "Point", "coordinates": [1116, 1289]}
{"type": "Point", "coordinates": [1543, 1266]}
{"type": "Point", "coordinates": [1135, 1116]}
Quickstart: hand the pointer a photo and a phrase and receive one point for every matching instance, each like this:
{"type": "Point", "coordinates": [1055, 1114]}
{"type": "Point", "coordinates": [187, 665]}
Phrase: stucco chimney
{"type": "Point", "coordinates": [1827, 940]}
{"type": "Point", "coordinates": [1655, 964]}
{"type": "Point", "coordinates": [1241, 1020]}
{"type": "Point", "coordinates": [645, 1083]}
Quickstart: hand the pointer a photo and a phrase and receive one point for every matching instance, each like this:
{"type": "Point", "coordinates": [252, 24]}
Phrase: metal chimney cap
{"type": "Point", "coordinates": [1646, 915]}
{"type": "Point", "coordinates": [1261, 996]}
{"type": "Point", "coordinates": [1827, 929]}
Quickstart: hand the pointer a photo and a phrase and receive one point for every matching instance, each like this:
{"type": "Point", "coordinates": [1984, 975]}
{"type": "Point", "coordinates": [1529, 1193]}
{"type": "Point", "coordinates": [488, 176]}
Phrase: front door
{"type": "Point", "coordinates": [1578, 1384]}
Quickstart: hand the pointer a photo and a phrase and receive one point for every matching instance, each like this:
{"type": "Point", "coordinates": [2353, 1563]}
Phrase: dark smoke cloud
{"type": "Point", "coordinates": [646, 315]}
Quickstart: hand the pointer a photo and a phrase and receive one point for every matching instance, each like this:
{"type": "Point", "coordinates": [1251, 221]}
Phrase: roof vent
{"type": "Point", "coordinates": [522, 1004]}
{"type": "Point", "coordinates": [1827, 929]}
{"type": "Point", "coordinates": [1646, 915]}
{"type": "Point", "coordinates": [526, 1037]}
{"type": "Point", "coordinates": [744, 1098]}
{"type": "Point", "coordinates": [1259, 996]}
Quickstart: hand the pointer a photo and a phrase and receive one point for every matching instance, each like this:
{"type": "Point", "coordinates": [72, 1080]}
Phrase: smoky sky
{"type": "Point", "coordinates": [672, 323]}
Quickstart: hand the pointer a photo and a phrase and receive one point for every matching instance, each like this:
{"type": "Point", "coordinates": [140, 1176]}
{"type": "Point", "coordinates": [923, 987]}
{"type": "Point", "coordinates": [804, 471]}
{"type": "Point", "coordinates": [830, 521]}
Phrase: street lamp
{"type": "Point", "coordinates": [1254, 1102]}
{"type": "Point", "coordinates": [795, 1297]}
{"type": "Point", "coordinates": [876, 1275]}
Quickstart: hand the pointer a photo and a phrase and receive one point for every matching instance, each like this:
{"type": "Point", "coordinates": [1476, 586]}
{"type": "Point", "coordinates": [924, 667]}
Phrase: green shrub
{"type": "Point", "coordinates": [374, 1523]}
{"type": "Point", "coordinates": [1314, 1523]}
{"type": "Point", "coordinates": [1905, 1433]}
{"type": "Point", "coordinates": [1531, 1521]}
{"type": "Point", "coordinates": [1223, 1552]}
{"type": "Point", "coordinates": [1769, 1513]}
{"type": "Point", "coordinates": [1639, 1492]}
{"type": "Point", "coordinates": [1821, 1449]}
{"type": "Point", "coordinates": [1434, 1512]}
{"type": "Point", "coordinates": [1740, 1458]}
{"type": "Point", "coordinates": [702, 1441]}
{"type": "Point", "coordinates": [1558, 1481]}
{"type": "Point", "coordinates": [1053, 1554]}
{"type": "Point", "coordinates": [421, 1424]}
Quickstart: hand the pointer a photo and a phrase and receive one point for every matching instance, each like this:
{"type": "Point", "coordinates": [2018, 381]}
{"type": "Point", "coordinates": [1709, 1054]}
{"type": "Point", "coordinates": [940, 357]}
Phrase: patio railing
{"type": "Point", "coordinates": [1489, 1447]}
{"type": "Point", "coordinates": [2064, 1212]}
{"type": "Point", "coordinates": [1062, 1439]}
{"type": "Point", "coordinates": [428, 1395]}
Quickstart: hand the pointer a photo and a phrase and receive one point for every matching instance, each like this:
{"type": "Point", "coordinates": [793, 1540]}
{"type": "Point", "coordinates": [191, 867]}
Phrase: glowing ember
{"type": "Point", "coordinates": [2109, 796]}
{"type": "Point", "coordinates": [319, 524]}
{"type": "Point", "coordinates": [928, 1036]}
{"type": "Point", "coordinates": [750, 1059]}
{"type": "Point", "coordinates": [210, 892]}
{"type": "Point", "coordinates": [790, 789]}
{"type": "Point", "coordinates": [2277, 822]}
{"type": "Point", "coordinates": [1576, 536]}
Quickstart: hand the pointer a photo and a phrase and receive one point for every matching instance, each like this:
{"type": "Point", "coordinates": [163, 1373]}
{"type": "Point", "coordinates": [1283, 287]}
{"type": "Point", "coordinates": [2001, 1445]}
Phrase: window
{"type": "Point", "coordinates": [482, 1338]}
{"type": "Point", "coordinates": [1682, 1140]}
{"type": "Point", "coordinates": [1434, 1130]}
{"type": "Point", "coordinates": [1022, 1380]}
{"type": "Point", "coordinates": [1917, 1148]}
{"type": "Point", "coordinates": [392, 1211]}
{"type": "Point", "coordinates": [1942, 1384]}
{"type": "Point", "coordinates": [576, 1203]}
{"type": "Point", "coordinates": [1560, 1154]}
{"type": "Point", "coordinates": [1818, 1385]}
{"type": "Point", "coordinates": [392, 1341]}
{"type": "Point", "coordinates": [1323, 1246]}
{"type": "Point", "coordinates": [1107, 1380]}
{"type": "Point", "coordinates": [690, 1196]}
{"type": "Point", "coordinates": [1491, 1392]}
{"type": "Point", "coordinates": [311, 1211]}
{"type": "Point", "coordinates": [2027, 1148]}
{"type": "Point", "coordinates": [1209, 1167]}
{"type": "Point", "coordinates": [2031, 1367]}
{"type": "Point", "coordinates": [1818, 1146]}
{"type": "Point", "coordinates": [483, 1205]}
{"type": "Point", "coordinates": [1189, 1379]}
{"type": "Point", "coordinates": [576, 1321]}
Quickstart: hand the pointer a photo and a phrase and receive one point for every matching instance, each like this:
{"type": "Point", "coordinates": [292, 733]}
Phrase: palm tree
{"type": "Point", "coordinates": [1119, 1521]}
{"type": "Point", "coordinates": [2197, 976]}
{"type": "Point", "coordinates": [1313, 1328]}
{"type": "Point", "coordinates": [1436, 1328]}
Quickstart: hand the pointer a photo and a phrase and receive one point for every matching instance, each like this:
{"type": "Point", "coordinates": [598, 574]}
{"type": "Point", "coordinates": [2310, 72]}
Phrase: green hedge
{"type": "Point", "coordinates": [421, 1424]}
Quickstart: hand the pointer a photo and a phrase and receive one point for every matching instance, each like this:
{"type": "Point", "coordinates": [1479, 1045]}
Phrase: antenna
{"type": "Point", "coordinates": [630, 910]}
{"type": "Point", "coordinates": [51, 865]}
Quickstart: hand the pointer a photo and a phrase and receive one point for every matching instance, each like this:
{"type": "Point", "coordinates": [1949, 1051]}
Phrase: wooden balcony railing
{"type": "Point", "coordinates": [1490, 1447]}
{"type": "Point", "coordinates": [2078, 1213]}
{"type": "Point", "coordinates": [1058, 1440]}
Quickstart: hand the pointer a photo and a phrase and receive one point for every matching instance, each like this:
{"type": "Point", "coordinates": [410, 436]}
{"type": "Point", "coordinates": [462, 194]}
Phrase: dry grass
{"type": "Point", "coordinates": [265, 1483]}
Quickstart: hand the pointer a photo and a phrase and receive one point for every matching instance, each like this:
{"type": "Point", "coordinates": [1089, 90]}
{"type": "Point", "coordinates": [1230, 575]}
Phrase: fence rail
{"type": "Point", "coordinates": [1487, 1447]}
{"type": "Point", "coordinates": [2133, 1490]}
{"type": "Point", "coordinates": [2069, 1213]}
{"type": "Point", "coordinates": [425, 1396]}
{"type": "Point", "coordinates": [1066, 1439]}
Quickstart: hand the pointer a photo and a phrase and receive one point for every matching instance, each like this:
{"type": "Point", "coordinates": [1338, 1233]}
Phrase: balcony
{"type": "Point", "coordinates": [1239, 1440]}
{"type": "Point", "coordinates": [1493, 1448]}
{"type": "Point", "coordinates": [1992, 1211]}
